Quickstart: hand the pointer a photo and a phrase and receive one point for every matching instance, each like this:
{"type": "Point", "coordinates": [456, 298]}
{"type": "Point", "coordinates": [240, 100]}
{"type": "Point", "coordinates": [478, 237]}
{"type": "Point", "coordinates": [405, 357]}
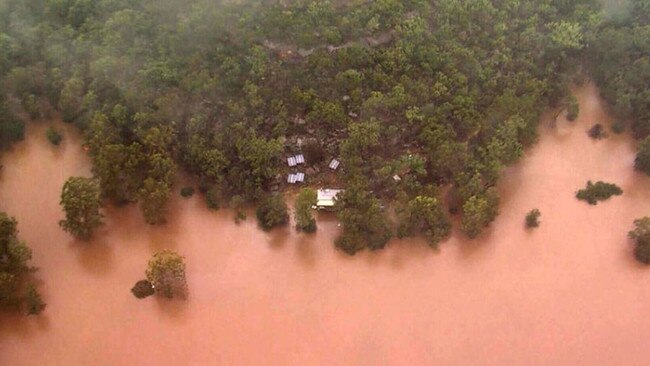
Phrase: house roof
{"type": "Point", "coordinates": [325, 197]}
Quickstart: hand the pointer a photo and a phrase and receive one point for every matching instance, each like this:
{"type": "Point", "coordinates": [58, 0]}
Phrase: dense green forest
{"type": "Point", "coordinates": [443, 93]}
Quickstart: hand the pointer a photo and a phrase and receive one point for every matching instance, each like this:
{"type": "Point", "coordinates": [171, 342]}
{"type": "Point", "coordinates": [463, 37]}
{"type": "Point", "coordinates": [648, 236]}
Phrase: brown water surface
{"type": "Point", "coordinates": [566, 293]}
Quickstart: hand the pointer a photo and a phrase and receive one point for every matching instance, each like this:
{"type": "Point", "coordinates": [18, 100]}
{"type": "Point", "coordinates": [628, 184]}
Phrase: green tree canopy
{"type": "Point", "coordinates": [166, 273]}
{"type": "Point", "coordinates": [80, 199]}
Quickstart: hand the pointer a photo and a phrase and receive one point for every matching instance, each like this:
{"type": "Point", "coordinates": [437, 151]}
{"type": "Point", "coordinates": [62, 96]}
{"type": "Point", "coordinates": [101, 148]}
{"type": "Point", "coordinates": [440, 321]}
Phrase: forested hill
{"type": "Point", "coordinates": [440, 92]}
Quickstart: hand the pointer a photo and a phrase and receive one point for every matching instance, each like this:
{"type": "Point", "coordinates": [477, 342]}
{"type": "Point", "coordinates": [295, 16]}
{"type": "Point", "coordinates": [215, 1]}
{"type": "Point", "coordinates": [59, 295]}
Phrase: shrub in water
{"type": "Point", "coordinates": [597, 132]}
{"type": "Point", "coordinates": [641, 237]}
{"type": "Point", "coordinates": [598, 191]}
{"type": "Point", "coordinates": [53, 136]}
{"type": "Point", "coordinates": [572, 108]}
{"type": "Point", "coordinates": [142, 289]}
{"type": "Point", "coordinates": [642, 161]}
{"type": "Point", "coordinates": [187, 192]}
{"type": "Point", "coordinates": [618, 127]}
{"type": "Point", "coordinates": [212, 198]}
{"type": "Point", "coordinates": [532, 218]}
{"type": "Point", "coordinates": [272, 212]}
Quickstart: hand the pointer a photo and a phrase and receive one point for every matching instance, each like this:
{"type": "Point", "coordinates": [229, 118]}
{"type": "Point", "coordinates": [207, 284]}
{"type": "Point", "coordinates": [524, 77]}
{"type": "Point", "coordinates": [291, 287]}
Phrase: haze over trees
{"type": "Point", "coordinates": [438, 93]}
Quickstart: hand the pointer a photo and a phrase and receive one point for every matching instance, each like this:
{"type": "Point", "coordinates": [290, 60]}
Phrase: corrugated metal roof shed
{"type": "Point", "coordinates": [334, 164]}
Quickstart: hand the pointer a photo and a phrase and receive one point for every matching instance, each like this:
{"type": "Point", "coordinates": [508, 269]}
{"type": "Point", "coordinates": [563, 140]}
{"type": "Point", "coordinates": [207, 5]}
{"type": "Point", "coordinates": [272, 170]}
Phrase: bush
{"type": "Point", "coordinates": [641, 236]}
{"type": "Point", "coordinates": [642, 160]}
{"type": "Point", "coordinates": [53, 136]}
{"type": "Point", "coordinates": [618, 127]}
{"type": "Point", "coordinates": [34, 302]}
{"type": "Point", "coordinates": [237, 204]}
{"type": "Point", "coordinates": [572, 108]}
{"type": "Point", "coordinates": [272, 212]}
{"type": "Point", "coordinates": [187, 192]}
{"type": "Point", "coordinates": [532, 218]}
{"type": "Point", "coordinates": [142, 289]}
{"type": "Point", "coordinates": [212, 198]}
{"type": "Point", "coordinates": [304, 218]}
{"type": "Point", "coordinates": [597, 132]}
{"type": "Point", "coordinates": [599, 191]}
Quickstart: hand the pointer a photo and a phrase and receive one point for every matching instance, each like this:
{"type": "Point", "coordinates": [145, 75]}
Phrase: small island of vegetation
{"type": "Point", "coordinates": [599, 191]}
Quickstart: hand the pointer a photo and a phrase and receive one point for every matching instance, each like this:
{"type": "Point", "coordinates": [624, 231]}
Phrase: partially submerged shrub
{"type": "Point", "coordinates": [187, 192]}
{"type": "Point", "coordinates": [598, 191]}
{"type": "Point", "coordinates": [304, 202]}
{"type": "Point", "coordinates": [597, 132]}
{"type": "Point", "coordinates": [142, 289]}
{"type": "Point", "coordinates": [53, 136]}
{"type": "Point", "coordinates": [641, 236]}
{"type": "Point", "coordinates": [212, 198]}
{"type": "Point", "coordinates": [572, 108]}
{"type": "Point", "coordinates": [272, 212]}
{"type": "Point", "coordinates": [618, 127]}
{"type": "Point", "coordinates": [642, 160]}
{"type": "Point", "coordinates": [532, 218]}
{"type": "Point", "coordinates": [34, 302]}
{"type": "Point", "coordinates": [237, 204]}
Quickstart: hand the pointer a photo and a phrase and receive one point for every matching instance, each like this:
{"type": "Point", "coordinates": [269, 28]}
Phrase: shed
{"type": "Point", "coordinates": [300, 159]}
{"type": "Point", "coordinates": [291, 178]}
{"type": "Point", "coordinates": [334, 164]}
{"type": "Point", "coordinates": [325, 198]}
{"type": "Point", "coordinates": [300, 177]}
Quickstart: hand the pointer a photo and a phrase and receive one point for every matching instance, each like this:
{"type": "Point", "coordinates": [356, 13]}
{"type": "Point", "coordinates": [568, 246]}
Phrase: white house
{"type": "Point", "coordinates": [325, 198]}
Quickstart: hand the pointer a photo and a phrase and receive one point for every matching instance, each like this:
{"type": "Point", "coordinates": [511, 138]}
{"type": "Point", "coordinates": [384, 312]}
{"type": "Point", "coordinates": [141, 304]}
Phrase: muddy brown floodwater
{"type": "Point", "coordinates": [566, 293]}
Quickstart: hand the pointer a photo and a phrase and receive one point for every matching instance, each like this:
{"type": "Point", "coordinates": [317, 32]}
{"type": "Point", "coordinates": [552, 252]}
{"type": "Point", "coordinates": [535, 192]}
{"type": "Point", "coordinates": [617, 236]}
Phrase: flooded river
{"type": "Point", "coordinates": [566, 293]}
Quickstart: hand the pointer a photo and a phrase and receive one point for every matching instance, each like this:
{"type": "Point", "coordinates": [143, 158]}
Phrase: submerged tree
{"type": "Point", "coordinates": [532, 218]}
{"type": "Point", "coordinates": [641, 236]}
{"type": "Point", "coordinates": [15, 271]}
{"type": "Point", "coordinates": [573, 108]}
{"type": "Point", "coordinates": [81, 202]}
{"type": "Point", "coordinates": [142, 289]}
{"type": "Point", "coordinates": [53, 136]}
{"type": "Point", "coordinates": [642, 160]}
{"type": "Point", "coordinates": [272, 212]}
{"type": "Point", "coordinates": [479, 211]}
{"type": "Point", "coordinates": [425, 215]}
{"type": "Point", "coordinates": [305, 202]}
{"type": "Point", "coordinates": [166, 273]}
{"type": "Point", "coordinates": [599, 191]}
{"type": "Point", "coordinates": [364, 223]}
{"type": "Point", "coordinates": [34, 302]}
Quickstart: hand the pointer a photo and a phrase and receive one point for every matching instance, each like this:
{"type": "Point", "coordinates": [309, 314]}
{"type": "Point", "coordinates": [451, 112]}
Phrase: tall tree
{"type": "Point", "coordinates": [304, 205]}
{"type": "Point", "coordinates": [80, 199]}
{"type": "Point", "coordinates": [166, 273]}
{"type": "Point", "coordinates": [15, 292]}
